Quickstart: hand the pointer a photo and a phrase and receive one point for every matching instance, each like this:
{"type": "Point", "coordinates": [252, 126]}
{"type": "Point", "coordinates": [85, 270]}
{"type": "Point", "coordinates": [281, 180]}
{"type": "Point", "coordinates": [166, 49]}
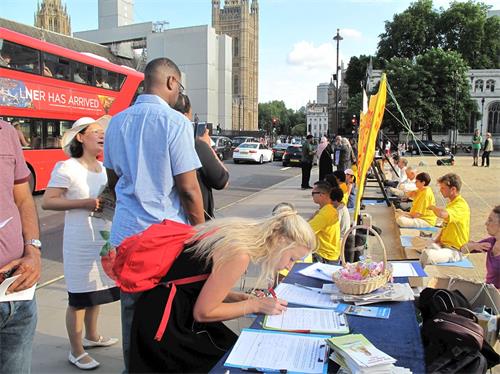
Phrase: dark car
{"type": "Point", "coordinates": [279, 150]}
{"type": "Point", "coordinates": [292, 155]}
{"type": "Point", "coordinates": [427, 147]}
{"type": "Point", "coordinates": [222, 147]}
{"type": "Point", "coordinates": [237, 140]}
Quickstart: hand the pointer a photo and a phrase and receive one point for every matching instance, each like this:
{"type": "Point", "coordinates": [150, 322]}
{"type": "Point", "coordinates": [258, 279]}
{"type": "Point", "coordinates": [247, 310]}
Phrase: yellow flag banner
{"type": "Point", "coordinates": [369, 125]}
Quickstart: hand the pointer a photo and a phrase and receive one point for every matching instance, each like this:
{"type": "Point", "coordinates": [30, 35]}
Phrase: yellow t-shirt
{"type": "Point", "coordinates": [343, 187]}
{"type": "Point", "coordinates": [456, 229]}
{"type": "Point", "coordinates": [421, 201]}
{"type": "Point", "coordinates": [326, 226]}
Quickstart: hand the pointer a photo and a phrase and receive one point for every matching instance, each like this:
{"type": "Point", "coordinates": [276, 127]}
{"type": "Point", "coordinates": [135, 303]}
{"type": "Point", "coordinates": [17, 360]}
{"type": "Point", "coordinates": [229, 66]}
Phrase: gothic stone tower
{"type": "Point", "coordinates": [240, 21]}
{"type": "Point", "coordinates": [53, 17]}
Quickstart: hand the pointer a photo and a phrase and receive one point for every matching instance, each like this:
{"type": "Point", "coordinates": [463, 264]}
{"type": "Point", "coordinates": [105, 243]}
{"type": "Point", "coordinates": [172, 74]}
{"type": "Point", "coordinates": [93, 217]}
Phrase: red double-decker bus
{"type": "Point", "coordinates": [44, 88]}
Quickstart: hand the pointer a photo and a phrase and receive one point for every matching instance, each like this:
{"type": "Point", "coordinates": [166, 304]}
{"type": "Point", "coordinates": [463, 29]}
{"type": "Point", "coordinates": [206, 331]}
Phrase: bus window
{"type": "Point", "coordinates": [52, 136]}
{"type": "Point", "coordinates": [57, 66]}
{"type": "Point", "coordinates": [101, 78]}
{"type": "Point", "coordinates": [19, 57]}
{"type": "Point", "coordinates": [82, 73]}
{"type": "Point", "coordinates": [139, 91]}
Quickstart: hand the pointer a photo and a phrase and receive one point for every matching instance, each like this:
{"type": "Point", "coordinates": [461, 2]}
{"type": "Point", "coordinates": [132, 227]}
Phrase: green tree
{"type": "Point", "coordinates": [446, 72]}
{"type": "Point", "coordinates": [432, 91]}
{"type": "Point", "coordinates": [464, 27]}
{"type": "Point", "coordinates": [299, 130]}
{"type": "Point", "coordinates": [410, 33]}
{"type": "Point", "coordinates": [354, 107]}
{"type": "Point", "coordinates": [285, 118]}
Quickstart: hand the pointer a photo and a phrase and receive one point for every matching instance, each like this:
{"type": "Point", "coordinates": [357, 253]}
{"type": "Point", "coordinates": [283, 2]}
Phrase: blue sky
{"type": "Point", "coordinates": [296, 47]}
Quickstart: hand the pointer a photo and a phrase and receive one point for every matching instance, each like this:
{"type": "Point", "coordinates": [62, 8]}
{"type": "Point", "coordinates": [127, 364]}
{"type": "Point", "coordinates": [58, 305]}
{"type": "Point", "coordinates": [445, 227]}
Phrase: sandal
{"type": "Point", "coordinates": [83, 366]}
{"type": "Point", "coordinates": [101, 342]}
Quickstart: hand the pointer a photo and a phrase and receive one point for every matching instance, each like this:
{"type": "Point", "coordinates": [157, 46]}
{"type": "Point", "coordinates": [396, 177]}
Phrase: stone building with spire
{"type": "Point", "coordinates": [52, 16]}
{"type": "Point", "coordinates": [240, 20]}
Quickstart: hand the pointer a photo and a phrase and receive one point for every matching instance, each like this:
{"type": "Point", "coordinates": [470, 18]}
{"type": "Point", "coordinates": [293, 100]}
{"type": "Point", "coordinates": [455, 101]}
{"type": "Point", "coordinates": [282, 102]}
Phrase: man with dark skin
{"type": "Point", "coordinates": [19, 254]}
{"type": "Point", "coordinates": [151, 164]}
{"type": "Point", "coordinates": [307, 162]}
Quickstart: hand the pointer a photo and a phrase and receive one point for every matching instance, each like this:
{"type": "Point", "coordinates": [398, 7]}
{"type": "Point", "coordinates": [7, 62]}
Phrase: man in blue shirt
{"type": "Point", "coordinates": [151, 164]}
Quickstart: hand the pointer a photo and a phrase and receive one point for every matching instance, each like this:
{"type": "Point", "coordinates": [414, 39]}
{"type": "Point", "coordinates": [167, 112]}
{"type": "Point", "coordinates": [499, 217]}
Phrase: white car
{"type": "Point", "coordinates": [255, 152]}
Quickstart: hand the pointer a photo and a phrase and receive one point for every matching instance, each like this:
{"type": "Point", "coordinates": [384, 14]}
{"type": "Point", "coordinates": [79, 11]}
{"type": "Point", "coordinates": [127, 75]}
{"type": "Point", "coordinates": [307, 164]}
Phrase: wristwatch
{"type": "Point", "coordinates": [34, 242]}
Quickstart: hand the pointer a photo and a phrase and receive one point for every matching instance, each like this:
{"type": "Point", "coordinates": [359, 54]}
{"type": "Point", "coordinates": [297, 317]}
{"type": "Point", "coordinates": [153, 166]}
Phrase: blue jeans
{"type": "Point", "coordinates": [127, 301]}
{"type": "Point", "coordinates": [17, 329]}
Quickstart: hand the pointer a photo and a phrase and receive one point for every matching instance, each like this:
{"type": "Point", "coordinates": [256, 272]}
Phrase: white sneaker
{"type": "Point", "coordinates": [83, 366]}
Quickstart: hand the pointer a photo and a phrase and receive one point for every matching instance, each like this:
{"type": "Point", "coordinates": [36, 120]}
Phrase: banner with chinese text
{"type": "Point", "coordinates": [369, 125]}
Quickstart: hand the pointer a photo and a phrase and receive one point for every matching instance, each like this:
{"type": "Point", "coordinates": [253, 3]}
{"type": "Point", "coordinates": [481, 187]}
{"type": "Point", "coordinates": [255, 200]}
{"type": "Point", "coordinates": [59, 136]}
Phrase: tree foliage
{"type": "Point", "coordinates": [356, 72]}
{"type": "Point", "coordinates": [410, 33]}
{"type": "Point", "coordinates": [299, 130]}
{"type": "Point", "coordinates": [285, 118]}
{"type": "Point", "coordinates": [433, 92]}
{"type": "Point", "coordinates": [463, 27]}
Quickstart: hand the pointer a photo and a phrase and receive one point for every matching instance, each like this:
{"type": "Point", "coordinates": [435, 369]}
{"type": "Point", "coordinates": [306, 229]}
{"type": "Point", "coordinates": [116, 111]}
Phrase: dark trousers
{"type": "Point", "coordinates": [485, 156]}
{"type": "Point", "coordinates": [306, 173]}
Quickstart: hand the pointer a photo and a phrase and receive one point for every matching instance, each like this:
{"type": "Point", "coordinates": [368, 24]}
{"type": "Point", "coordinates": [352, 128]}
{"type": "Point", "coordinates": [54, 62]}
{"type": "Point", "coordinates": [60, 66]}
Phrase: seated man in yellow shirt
{"type": "Point", "coordinates": [419, 214]}
{"type": "Point", "coordinates": [325, 224]}
{"type": "Point", "coordinates": [456, 226]}
{"type": "Point", "coordinates": [340, 177]}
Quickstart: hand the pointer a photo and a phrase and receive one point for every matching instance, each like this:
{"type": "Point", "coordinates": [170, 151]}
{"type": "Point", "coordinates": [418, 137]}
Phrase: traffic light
{"type": "Point", "coordinates": [275, 121]}
{"type": "Point", "coordinates": [354, 121]}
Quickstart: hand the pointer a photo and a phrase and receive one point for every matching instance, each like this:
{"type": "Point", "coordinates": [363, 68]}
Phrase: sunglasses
{"type": "Point", "coordinates": [181, 87]}
{"type": "Point", "coordinates": [316, 193]}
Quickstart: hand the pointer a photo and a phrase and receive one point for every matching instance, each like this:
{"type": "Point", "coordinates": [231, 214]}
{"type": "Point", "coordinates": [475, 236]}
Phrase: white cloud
{"type": "Point", "coordinates": [351, 33]}
{"type": "Point", "coordinates": [309, 56]}
{"type": "Point", "coordinates": [295, 81]}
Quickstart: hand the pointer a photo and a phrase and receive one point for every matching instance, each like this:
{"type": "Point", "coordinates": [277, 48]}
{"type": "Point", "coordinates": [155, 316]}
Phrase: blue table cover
{"type": "Point", "coordinates": [398, 336]}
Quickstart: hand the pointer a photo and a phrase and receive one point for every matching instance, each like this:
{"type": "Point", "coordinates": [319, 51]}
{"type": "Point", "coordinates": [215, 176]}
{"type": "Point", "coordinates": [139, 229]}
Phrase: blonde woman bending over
{"type": "Point", "coordinates": [194, 338]}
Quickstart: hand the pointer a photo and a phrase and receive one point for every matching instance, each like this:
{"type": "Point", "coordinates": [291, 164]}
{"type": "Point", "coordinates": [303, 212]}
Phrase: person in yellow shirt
{"type": "Point", "coordinates": [419, 214]}
{"type": "Point", "coordinates": [325, 224]}
{"type": "Point", "coordinates": [456, 223]}
{"type": "Point", "coordinates": [340, 177]}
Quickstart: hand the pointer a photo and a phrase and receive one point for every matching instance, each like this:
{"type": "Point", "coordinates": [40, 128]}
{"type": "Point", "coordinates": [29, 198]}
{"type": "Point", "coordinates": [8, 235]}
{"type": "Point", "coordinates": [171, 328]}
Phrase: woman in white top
{"type": "Point", "coordinates": [74, 187]}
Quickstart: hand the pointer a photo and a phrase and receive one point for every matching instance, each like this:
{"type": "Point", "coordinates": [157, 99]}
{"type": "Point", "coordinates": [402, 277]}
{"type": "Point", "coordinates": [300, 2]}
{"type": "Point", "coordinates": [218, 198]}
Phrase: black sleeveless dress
{"type": "Point", "coordinates": [186, 345]}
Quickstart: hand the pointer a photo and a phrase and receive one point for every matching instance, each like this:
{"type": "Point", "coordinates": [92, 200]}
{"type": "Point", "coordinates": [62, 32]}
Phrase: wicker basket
{"type": "Point", "coordinates": [364, 286]}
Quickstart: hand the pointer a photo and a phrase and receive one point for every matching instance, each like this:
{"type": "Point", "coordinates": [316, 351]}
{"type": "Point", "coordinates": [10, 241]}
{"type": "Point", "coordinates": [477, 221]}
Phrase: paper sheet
{"type": "Point", "coordinates": [273, 351]}
{"type": "Point", "coordinates": [364, 311]}
{"type": "Point", "coordinates": [301, 296]}
{"type": "Point", "coordinates": [308, 320]}
{"type": "Point", "coordinates": [15, 296]}
{"type": "Point", "coordinates": [403, 269]}
{"type": "Point", "coordinates": [406, 240]}
{"type": "Point", "coordinates": [320, 271]}
{"type": "Point", "coordinates": [465, 263]}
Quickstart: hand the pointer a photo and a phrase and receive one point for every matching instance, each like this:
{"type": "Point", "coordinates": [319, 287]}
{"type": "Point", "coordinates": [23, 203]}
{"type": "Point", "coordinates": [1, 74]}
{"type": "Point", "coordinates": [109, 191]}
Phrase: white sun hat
{"type": "Point", "coordinates": [78, 126]}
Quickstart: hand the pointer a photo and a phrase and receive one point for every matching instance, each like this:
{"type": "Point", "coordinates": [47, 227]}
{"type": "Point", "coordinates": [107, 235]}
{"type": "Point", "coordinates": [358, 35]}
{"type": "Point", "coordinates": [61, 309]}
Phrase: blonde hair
{"type": "Point", "coordinates": [264, 240]}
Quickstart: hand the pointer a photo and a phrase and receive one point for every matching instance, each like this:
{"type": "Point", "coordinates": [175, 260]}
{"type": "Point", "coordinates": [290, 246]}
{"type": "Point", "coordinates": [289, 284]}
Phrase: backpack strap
{"type": "Point", "coordinates": [443, 301]}
{"type": "Point", "coordinates": [166, 312]}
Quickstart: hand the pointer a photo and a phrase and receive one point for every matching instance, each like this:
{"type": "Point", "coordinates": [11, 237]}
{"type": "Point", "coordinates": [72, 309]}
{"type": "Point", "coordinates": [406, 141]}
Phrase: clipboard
{"type": "Point", "coordinates": [318, 314]}
{"type": "Point", "coordinates": [247, 358]}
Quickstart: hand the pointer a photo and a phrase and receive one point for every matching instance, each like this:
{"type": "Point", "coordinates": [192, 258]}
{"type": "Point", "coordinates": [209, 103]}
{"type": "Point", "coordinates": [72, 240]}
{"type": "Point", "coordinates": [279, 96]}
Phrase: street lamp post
{"type": "Point", "coordinates": [455, 135]}
{"type": "Point", "coordinates": [337, 38]}
{"type": "Point", "coordinates": [482, 116]}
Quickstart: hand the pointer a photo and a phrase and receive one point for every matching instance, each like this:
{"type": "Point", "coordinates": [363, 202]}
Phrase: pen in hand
{"type": "Point", "coordinates": [273, 293]}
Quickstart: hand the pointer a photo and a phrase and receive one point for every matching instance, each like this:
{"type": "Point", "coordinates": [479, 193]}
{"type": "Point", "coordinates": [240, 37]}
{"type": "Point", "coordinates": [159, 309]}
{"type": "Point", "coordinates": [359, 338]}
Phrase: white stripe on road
{"type": "Point", "coordinates": [286, 168]}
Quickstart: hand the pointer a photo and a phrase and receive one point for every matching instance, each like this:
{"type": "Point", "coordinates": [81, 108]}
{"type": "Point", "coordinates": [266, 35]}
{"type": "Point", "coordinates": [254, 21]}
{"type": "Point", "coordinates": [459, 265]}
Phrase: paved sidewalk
{"type": "Point", "coordinates": [51, 347]}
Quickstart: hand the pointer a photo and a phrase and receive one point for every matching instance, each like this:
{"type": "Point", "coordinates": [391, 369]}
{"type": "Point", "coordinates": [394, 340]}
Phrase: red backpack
{"type": "Point", "coordinates": [143, 259]}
